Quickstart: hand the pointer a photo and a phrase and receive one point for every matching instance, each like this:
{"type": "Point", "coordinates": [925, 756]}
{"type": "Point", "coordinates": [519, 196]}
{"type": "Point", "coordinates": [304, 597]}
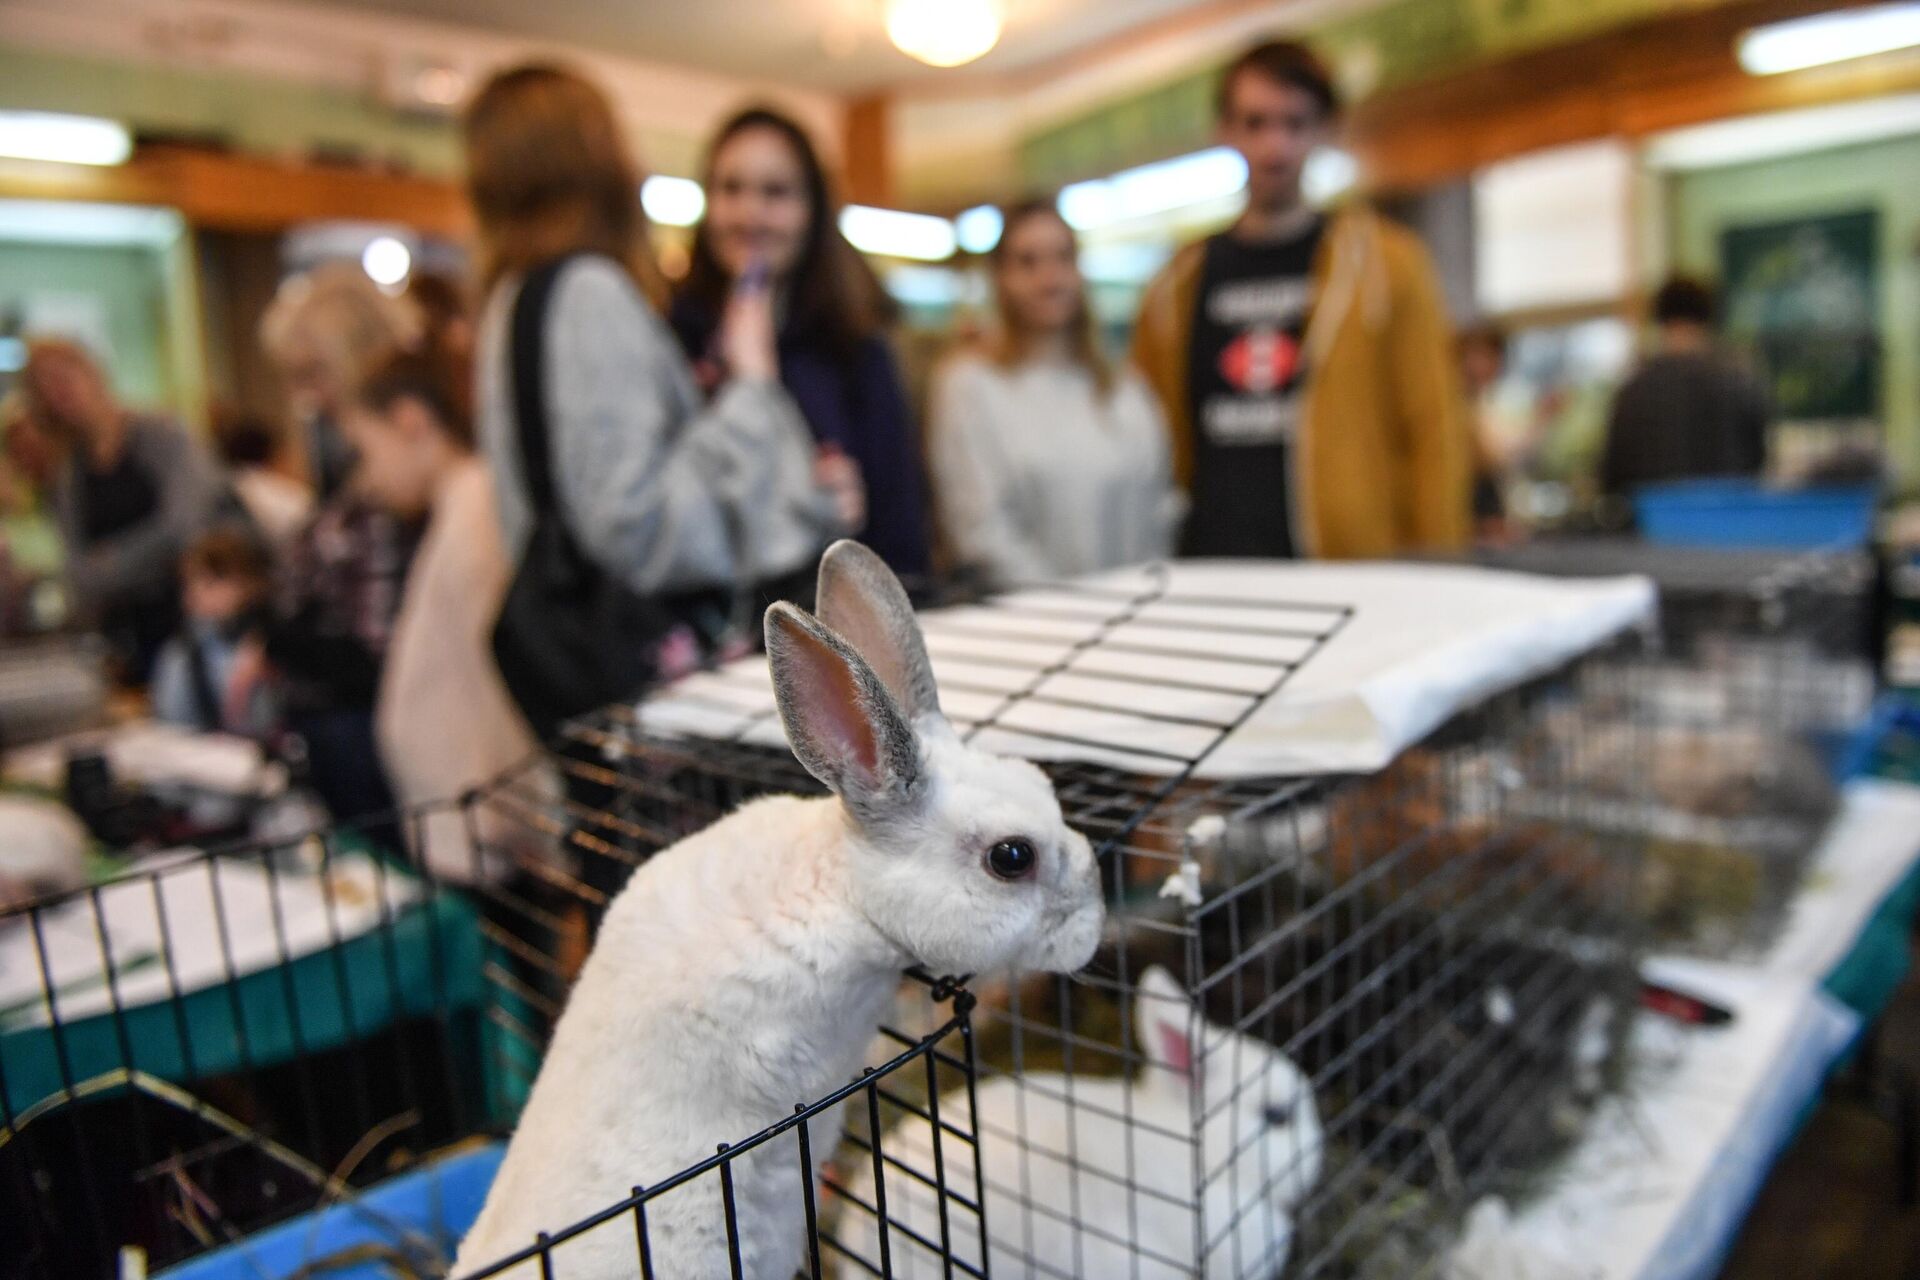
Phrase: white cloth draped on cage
{"type": "Point", "coordinates": [1145, 668]}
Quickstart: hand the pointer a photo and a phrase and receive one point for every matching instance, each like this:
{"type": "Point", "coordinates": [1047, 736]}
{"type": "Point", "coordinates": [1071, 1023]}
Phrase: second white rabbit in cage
{"type": "Point", "coordinates": [1123, 1205]}
{"type": "Point", "coordinates": [745, 969]}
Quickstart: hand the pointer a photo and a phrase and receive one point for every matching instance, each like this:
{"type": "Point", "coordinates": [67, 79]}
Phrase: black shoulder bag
{"type": "Point", "coordinates": [571, 637]}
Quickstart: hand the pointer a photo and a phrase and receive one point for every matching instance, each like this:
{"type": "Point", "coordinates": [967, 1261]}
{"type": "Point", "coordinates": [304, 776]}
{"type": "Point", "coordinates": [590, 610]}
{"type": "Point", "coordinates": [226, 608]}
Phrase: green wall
{"type": "Point", "coordinates": [1880, 175]}
{"type": "Point", "coordinates": [150, 320]}
{"type": "Point", "coordinates": [266, 116]}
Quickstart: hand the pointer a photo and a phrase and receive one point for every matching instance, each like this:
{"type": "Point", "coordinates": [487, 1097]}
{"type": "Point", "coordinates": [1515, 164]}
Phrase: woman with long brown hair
{"type": "Point", "coordinates": [661, 492]}
{"type": "Point", "coordinates": [770, 209]}
{"type": "Point", "coordinates": [1047, 459]}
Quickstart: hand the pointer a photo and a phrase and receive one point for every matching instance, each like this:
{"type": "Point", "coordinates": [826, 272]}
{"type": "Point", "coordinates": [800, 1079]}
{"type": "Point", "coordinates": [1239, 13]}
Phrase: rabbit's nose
{"type": "Point", "coordinates": [1279, 1115]}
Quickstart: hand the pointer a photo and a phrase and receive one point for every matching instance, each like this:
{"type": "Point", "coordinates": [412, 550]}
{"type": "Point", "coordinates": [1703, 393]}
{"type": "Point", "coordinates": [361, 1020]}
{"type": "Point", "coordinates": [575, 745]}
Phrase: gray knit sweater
{"type": "Point", "coordinates": [134, 563]}
{"type": "Point", "coordinates": [657, 487]}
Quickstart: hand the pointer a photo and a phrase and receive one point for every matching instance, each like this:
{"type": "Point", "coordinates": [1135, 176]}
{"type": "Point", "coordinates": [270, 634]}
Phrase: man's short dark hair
{"type": "Point", "coordinates": [1285, 62]}
{"type": "Point", "coordinates": [1684, 300]}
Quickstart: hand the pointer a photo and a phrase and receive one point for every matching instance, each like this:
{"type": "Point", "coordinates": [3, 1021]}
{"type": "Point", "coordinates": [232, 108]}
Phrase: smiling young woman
{"type": "Point", "coordinates": [771, 212]}
{"type": "Point", "coordinates": [1048, 461]}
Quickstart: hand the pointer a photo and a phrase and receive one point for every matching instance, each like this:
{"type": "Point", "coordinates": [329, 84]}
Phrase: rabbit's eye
{"type": "Point", "coordinates": [1012, 859]}
{"type": "Point", "coordinates": [1279, 1117]}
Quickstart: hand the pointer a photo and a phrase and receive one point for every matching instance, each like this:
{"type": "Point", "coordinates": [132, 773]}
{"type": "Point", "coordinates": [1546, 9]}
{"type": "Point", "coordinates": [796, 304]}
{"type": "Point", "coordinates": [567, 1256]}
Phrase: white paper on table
{"type": "Point", "coordinates": [150, 753]}
{"type": "Point", "coordinates": [1422, 643]}
{"type": "Point", "coordinates": [223, 918]}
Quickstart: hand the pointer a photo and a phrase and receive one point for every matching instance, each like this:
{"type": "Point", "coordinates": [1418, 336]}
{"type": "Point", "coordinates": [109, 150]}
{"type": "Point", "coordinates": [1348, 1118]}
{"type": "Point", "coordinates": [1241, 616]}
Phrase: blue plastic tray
{"type": "Point", "coordinates": [1739, 513]}
{"type": "Point", "coordinates": [439, 1200]}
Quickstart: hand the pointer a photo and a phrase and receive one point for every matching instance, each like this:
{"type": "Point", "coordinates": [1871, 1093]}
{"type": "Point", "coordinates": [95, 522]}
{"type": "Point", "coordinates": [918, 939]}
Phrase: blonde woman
{"type": "Point", "coordinates": [340, 577]}
{"type": "Point", "coordinates": [1047, 460]}
{"type": "Point", "coordinates": [325, 331]}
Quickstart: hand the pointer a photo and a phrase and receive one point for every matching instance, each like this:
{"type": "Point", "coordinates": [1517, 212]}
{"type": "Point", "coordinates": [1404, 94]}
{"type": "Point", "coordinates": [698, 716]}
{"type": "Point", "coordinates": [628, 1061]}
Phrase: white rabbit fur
{"type": "Point", "coordinates": [1241, 1148]}
{"type": "Point", "coordinates": [745, 969]}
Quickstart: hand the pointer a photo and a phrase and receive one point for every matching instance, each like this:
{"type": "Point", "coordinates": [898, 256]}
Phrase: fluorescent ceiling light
{"type": "Point", "coordinates": [890, 233]}
{"type": "Point", "coordinates": [1829, 37]}
{"type": "Point", "coordinates": [978, 229]}
{"type": "Point", "coordinates": [1153, 188]}
{"type": "Point", "coordinates": [672, 202]}
{"type": "Point", "coordinates": [42, 135]}
{"type": "Point", "coordinates": [81, 223]}
{"type": "Point", "coordinates": [386, 261]}
{"type": "Point", "coordinates": [1785, 133]}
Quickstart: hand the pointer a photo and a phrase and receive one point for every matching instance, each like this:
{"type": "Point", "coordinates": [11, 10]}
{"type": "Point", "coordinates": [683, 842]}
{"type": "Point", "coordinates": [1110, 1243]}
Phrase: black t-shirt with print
{"type": "Point", "coordinates": [1244, 381]}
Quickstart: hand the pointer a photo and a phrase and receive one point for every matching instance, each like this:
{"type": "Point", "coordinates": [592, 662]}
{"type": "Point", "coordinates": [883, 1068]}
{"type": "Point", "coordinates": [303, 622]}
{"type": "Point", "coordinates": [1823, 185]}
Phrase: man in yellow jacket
{"type": "Point", "coordinates": [1304, 360]}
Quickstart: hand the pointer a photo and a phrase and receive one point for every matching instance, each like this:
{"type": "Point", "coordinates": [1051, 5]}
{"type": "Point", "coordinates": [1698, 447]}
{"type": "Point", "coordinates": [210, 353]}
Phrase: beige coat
{"type": "Point", "coordinates": [445, 720]}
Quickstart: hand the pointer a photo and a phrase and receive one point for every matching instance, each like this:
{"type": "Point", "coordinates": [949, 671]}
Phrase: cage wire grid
{"type": "Point", "coordinates": [1441, 950]}
{"type": "Point", "coordinates": [222, 1039]}
{"type": "Point", "coordinates": [1761, 667]}
{"type": "Point", "coordinates": [1419, 948]}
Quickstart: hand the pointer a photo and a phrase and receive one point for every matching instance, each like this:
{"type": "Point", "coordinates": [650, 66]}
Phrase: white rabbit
{"type": "Point", "coordinates": [745, 969]}
{"type": "Point", "coordinates": [1260, 1147]}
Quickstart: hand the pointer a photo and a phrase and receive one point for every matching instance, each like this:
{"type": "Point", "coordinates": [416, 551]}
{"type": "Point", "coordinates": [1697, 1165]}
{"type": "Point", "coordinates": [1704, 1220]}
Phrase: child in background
{"type": "Point", "coordinates": [250, 445]}
{"type": "Point", "coordinates": [207, 676]}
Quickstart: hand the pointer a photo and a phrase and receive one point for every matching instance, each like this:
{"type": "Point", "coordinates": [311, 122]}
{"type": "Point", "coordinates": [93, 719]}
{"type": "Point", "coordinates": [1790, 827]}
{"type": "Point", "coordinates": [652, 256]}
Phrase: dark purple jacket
{"type": "Point", "coordinates": [859, 405]}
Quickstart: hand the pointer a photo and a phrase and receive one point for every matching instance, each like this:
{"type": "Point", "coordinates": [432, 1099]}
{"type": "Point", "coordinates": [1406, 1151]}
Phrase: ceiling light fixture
{"type": "Point", "coordinates": [44, 135]}
{"type": "Point", "coordinates": [943, 33]}
{"type": "Point", "coordinates": [1821, 38]}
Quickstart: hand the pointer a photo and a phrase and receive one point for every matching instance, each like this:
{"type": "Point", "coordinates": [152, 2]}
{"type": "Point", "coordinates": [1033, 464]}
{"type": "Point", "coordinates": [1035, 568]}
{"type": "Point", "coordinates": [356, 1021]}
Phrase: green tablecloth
{"type": "Point", "coordinates": [1873, 969]}
{"type": "Point", "coordinates": [429, 959]}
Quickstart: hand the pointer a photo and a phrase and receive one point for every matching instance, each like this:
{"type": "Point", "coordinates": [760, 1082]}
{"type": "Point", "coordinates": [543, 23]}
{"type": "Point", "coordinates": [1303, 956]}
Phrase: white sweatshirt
{"type": "Point", "coordinates": [1038, 476]}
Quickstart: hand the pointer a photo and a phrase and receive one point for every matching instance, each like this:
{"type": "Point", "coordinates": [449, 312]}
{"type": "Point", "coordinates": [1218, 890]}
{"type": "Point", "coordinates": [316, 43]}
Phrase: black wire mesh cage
{"type": "Point", "coordinates": [1718, 742]}
{"type": "Point", "coordinates": [294, 1058]}
{"type": "Point", "coordinates": [1329, 1013]}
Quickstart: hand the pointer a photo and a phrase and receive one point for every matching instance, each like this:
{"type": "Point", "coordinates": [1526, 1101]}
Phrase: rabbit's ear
{"type": "Point", "coordinates": [842, 723]}
{"type": "Point", "coordinates": [859, 597]}
{"type": "Point", "coordinates": [1162, 1018]}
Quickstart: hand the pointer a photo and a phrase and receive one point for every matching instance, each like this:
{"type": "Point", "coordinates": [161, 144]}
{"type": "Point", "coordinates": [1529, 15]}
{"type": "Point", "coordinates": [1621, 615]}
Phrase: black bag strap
{"type": "Point", "coordinates": [206, 699]}
{"type": "Point", "coordinates": [527, 348]}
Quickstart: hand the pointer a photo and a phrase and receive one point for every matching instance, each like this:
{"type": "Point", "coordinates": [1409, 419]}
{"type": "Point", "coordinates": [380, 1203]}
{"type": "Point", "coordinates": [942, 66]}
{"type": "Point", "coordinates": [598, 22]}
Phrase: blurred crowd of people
{"type": "Point", "coordinates": [568, 479]}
